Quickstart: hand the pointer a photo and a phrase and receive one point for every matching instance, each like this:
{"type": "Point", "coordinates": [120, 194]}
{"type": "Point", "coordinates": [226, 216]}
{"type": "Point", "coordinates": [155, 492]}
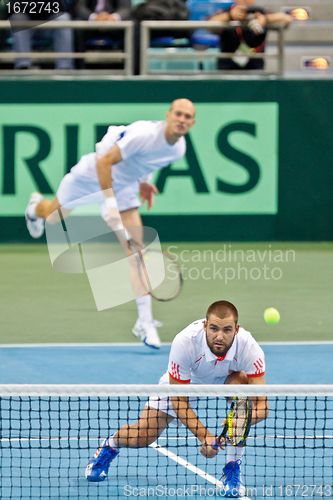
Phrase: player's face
{"type": "Point", "coordinates": [180, 118]}
{"type": "Point", "coordinates": [220, 333]}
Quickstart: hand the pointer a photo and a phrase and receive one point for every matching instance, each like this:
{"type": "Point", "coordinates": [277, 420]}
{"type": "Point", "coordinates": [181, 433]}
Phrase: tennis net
{"type": "Point", "coordinates": [48, 433]}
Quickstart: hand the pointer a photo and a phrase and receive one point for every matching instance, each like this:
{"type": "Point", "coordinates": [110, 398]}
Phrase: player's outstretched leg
{"type": "Point", "coordinates": [141, 434]}
{"type": "Point", "coordinates": [145, 327]}
{"type": "Point", "coordinates": [233, 486]}
{"type": "Point", "coordinates": [98, 466]}
{"type": "Point", "coordinates": [35, 224]}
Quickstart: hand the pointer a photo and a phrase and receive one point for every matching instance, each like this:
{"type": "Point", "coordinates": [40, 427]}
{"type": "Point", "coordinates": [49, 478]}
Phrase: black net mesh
{"type": "Point", "coordinates": [46, 442]}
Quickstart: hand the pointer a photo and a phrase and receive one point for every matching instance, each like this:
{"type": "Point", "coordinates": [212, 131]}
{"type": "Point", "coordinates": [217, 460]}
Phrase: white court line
{"type": "Point", "coordinates": [299, 342]}
{"type": "Point", "coordinates": [167, 453]}
{"type": "Point", "coordinates": [254, 438]}
{"type": "Point", "coordinates": [193, 468]}
{"type": "Point", "coordinates": [76, 344]}
{"type": "Point", "coordinates": [154, 445]}
{"type": "Point", "coordinates": [139, 344]}
{"type": "Point", "coordinates": [27, 440]}
{"type": "Point", "coordinates": [181, 461]}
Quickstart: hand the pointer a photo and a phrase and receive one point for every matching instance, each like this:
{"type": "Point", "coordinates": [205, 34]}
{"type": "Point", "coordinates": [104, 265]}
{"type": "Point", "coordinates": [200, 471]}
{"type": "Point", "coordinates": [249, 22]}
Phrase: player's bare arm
{"type": "Point", "coordinates": [237, 13]}
{"type": "Point", "coordinates": [189, 418]}
{"type": "Point", "coordinates": [260, 408]}
{"type": "Point", "coordinates": [104, 173]}
{"type": "Point", "coordinates": [104, 167]}
{"type": "Point", "coordinates": [279, 17]}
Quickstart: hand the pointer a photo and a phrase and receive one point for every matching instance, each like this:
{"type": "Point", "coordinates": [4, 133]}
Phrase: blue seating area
{"type": "Point", "coordinates": [201, 10]}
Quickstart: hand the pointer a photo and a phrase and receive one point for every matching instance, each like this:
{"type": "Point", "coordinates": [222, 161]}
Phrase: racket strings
{"type": "Point", "coordinates": [159, 274]}
{"type": "Point", "coordinates": [239, 421]}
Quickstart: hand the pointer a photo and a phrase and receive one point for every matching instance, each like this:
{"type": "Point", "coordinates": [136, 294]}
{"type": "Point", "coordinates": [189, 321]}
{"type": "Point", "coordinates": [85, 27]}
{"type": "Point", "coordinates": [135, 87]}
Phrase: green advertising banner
{"type": "Point", "coordinates": [231, 165]}
{"type": "Point", "coordinates": [258, 165]}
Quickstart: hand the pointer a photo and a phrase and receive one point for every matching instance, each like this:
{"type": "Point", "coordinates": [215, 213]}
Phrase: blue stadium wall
{"type": "Point", "coordinates": [258, 165]}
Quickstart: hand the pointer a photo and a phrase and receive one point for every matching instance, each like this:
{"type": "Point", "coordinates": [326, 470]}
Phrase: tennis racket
{"type": "Point", "coordinates": [154, 264]}
{"type": "Point", "coordinates": [238, 423]}
{"type": "Point", "coordinates": [158, 273]}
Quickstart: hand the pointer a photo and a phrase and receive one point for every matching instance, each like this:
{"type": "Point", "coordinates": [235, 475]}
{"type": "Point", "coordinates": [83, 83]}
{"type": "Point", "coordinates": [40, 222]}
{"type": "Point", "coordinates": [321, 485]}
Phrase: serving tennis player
{"type": "Point", "coordinates": [116, 173]}
{"type": "Point", "coordinates": [215, 350]}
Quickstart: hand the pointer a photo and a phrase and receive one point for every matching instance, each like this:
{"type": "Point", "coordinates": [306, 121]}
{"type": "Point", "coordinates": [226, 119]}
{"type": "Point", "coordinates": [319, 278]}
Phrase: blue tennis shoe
{"type": "Point", "coordinates": [98, 466]}
{"type": "Point", "coordinates": [233, 486]}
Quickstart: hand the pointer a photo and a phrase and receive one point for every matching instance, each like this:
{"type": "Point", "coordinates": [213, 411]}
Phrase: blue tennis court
{"type": "Point", "coordinates": [287, 363]}
{"type": "Point", "coordinates": [45, 451]}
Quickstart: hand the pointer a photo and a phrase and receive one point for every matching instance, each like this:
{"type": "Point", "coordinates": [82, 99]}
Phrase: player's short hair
{"type": "Point", "coordinates": [222, 309]}
{"type": "Point", "coordinates": [182, 99]}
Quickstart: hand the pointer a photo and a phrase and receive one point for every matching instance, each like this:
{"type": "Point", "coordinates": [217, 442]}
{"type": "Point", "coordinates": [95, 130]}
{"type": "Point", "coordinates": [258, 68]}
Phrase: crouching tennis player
{"type": "Point", "coordinates": [211, 351]}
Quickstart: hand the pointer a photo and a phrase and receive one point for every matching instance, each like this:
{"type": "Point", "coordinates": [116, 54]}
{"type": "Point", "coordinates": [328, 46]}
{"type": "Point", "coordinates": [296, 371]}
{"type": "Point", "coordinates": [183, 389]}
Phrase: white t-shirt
{"type": "Point", "coordinates": [191, 360]}
{"type": "Point", "coordinates": [143, 147]}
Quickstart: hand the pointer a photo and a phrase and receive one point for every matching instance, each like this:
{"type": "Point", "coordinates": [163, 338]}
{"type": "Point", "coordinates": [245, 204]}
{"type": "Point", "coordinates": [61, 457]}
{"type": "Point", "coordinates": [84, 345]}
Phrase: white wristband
{"type": "Point", "coordinates": [111, 202]}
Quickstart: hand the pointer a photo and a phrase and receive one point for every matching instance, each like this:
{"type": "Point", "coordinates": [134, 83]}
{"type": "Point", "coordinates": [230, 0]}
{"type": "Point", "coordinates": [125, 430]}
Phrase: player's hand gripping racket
{"type": "Point", "coordinates": [148, 262]}
{"type": "Point", "coordinates": [238, 423]}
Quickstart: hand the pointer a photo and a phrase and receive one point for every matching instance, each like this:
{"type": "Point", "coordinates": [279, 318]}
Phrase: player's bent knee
{"type": "Point", "coordinates": [148, 434]}
{"type": "Point", "coordinates": [145, 437]}
{"type": "Point", "coordinates": [147, 440]}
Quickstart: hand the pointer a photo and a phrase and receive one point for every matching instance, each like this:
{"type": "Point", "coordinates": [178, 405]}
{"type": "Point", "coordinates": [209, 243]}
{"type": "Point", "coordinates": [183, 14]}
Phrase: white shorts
{"type": "Point", "coordinates": [165, 404]}
{"type": "Point", "coordinates": [78, 189]}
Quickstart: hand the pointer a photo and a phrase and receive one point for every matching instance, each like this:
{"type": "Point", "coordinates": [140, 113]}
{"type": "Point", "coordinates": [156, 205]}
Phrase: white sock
{"type": "Point", "coordinates": [110, 442]}
{"type": "Point", "coordinates": [144, 306]}
{"type": "Point", "coordinates": [235, 453]}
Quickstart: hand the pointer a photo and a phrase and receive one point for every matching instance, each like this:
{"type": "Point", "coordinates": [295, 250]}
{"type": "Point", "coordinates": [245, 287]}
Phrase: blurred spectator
{"type": "Point", "coordinates": [157, 10]}
{"type": "Point", "coordinates": [62, 38]}
{"type": "Point", "coordinates": [101, 10]}
{"type": "Point", "coordinates": [248, 38]}
{"type": "Point", "coordinates": [3, 17]}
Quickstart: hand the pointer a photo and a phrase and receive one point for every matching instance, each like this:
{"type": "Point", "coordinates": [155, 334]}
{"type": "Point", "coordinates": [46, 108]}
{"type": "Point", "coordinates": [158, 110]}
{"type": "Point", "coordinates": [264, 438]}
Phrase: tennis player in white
{"type": "Point", "coordinates": [215, 350]}
{"type": "Point", "coordinates": [114, 175]}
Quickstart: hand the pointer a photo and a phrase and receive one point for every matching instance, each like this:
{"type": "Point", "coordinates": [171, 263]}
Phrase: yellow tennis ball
{"type": "Point", "coordinates": [271, 316]}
